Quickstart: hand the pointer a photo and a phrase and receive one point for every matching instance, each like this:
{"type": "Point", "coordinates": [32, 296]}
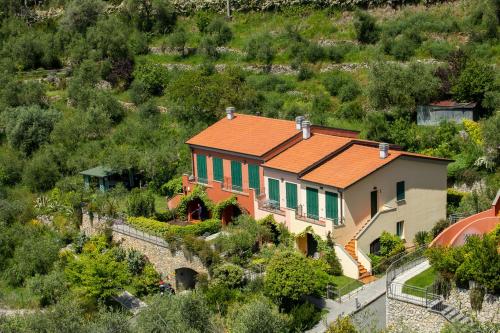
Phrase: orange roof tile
{"type": "Point", "coordinates": [349, 166]}
{"type": "Point", "coordinates": [246, 134]}
{"type": "Point", "coordinates": [306, 152]}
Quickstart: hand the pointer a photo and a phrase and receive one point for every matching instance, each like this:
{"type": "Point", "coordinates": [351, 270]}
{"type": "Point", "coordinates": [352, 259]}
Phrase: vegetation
{"type": "Point", "coordinates": [98, 83]}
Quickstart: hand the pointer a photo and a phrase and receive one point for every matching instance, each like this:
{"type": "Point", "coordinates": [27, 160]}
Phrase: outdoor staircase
{"type": "Point", "coordinates": [450, 313]}
{"type": "Point", "coordinates": [364, 275]}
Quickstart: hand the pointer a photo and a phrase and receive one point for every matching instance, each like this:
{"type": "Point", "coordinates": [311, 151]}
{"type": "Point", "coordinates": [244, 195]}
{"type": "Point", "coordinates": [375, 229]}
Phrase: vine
{"type": "Point", "coordinates": [197, 193]}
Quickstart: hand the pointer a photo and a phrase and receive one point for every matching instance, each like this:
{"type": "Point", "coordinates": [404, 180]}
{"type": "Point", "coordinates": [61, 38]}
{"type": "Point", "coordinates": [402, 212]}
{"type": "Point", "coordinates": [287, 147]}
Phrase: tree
{"type": "Point", "coordinates": [140, 203]}
{"type": "Point", "coordinates": [261, 49]}
{"type": "Point", "coordinates": [342, 325]}
{"type": "Point", "coordinates": [474, 82]}
{"type": "Point", "coordinates": [157, 16]}
{"type": "Point", "coordinates": [178, 40]}
{"type": "Point", "coordinates": [41, 172]}
{"type": "Point", "coordinates": [290, 275]}
{"type": "Point", "coordinates": [394, 85]}
{"type": "Point", "coordinates": [182, 313]}
{"type": "Point", "coordinates": [27, 128]}
{"type": "Point", "coordinates": [219, 31]}
{"type": "Point", "coordinates": [366, 29]}
{"type": "Point", "coordinates": [11, 167]}
{"type": "Point", "coordinates": [229, 275]}
{"type": "Point", "coordinates": [256, 316]}
{"type": "Point", "coordinates": [97, 276]}
{"type": "Point", "coordinates": [80, 15]}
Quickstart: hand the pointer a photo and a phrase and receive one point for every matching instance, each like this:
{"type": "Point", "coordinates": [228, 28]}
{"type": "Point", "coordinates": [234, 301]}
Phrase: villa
{"type": "Point", "coordinates": [322, 180]}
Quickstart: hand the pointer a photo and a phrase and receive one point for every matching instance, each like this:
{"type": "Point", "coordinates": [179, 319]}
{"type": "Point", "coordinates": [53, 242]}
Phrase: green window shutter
{"type": "Point", "coordinates": [291, 195]}
{"type": "Point", "coordinates": [236, 178]}
{"type": "Point", "coordinates": [218, 169]}
{"type": "Point", "coordinates": [201, 167]}
{"type": "Point", "coordinates": [400, 190]}
{"type": "Point", "coordinates": [274, 191]}
{"type": "Point", "coordinates": [312, 203]}
{"type": "Point", "coordinates": [332, 206]}
{"type": "Point", "coordinates": [254, 178]}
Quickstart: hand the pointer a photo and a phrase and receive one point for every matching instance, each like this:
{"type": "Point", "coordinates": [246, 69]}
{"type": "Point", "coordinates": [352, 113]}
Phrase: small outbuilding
{"type": "Point", "coordinates": [105, 178]}
{"type": "Point", "coordinates": [434, 113]}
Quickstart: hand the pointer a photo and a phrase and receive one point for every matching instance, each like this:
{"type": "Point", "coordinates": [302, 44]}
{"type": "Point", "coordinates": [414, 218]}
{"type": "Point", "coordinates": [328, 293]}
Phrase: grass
{"type": "Point", "coordinates": [160, 204]}
{"type": "Point", "coordinates": [422, 280]}
{"type": "Point", "coordinates": [16, 298]}
{"type": "Point", "coordinates": [346, 284]}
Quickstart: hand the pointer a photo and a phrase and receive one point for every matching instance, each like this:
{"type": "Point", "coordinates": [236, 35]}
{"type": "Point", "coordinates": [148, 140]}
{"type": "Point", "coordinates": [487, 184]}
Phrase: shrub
{"type": "Point", "coordinates": [153, 76]}
{"type": "Point", "coordinates": [349, 91]}
{"type": "Point", "coordinates": [148, 110]}
{"type": "Point", "coordinates": [303, 317]}
{"type": "Point", "coordinates": [220, 31]}
{"type": "Point", "coordinates": [139, 92]}
{"type": "Point", "coordinates": [244, 318]}
{"type": "Point", "coordinates": [351, 110]}
{"type": "Point", "coordinates": [440, 50]}
{"type": "Point", "coordinates": [313, 52]}
{"type": "Point", "coordinates": [421, 238]}
{"type": "Point", "coordinates": [49, 288]}
{"type": "Point", "coordinates": [476, 296]}
{"type": "Point", "coordinates": [438, 227]}
{"type": "Point", "coordinates": [261, 49]}
{"type": "Point", "coordinates": [232, 276]}
{"type": "Point", "coordinates": [162, 228]}
{"type": "Point", "coordinates": [334, 81]}
{"type": "Point", "coordinates": [208, 48]}
{"type": "Point", "coordinates": [403, 48]}
{"type": "Point", "coordinates": [474, 82]}
{"type": "Point", "coordinates": [390, 244]}
{"type": "Point", "coordinates": [366, 29]}
{"type": "Point", "coordinates": [147, 282]}
{"type": "Point", "coordinates": [135, 262]}
{"type": "Point", "coordinates": [140, 203]}
{"type": "Point", "coordinates": [290, 276]}
{"type": "Point", "coordinates": [203, 19]}
{"type": "Point", "coordinates": [305, 73]}
{"type": "Point", "coordinates": [172, 187]}
{"type": "Point", "coordinates": [342, 325]}
{"type": "Point", "coordinates": [178, 40]}
{"type": "Point", "coordinates": [41, 172]}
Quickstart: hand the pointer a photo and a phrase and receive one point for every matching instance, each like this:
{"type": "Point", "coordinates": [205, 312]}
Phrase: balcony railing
{"type": "Point", "coordinates": [308, 217]}
{"type": "Point", "coordinates": [271, 206]}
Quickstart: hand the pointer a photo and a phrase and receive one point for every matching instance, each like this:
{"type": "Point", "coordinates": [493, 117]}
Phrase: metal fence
{"type": "Point", "coordinates": [404, 262]}
{"type": "Point", "coordinates": [118, 225]}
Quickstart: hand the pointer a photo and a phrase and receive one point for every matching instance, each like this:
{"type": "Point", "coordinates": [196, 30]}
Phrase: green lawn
{"type": "Point", "coordinates": [160, 204]}
{"type": "Point", "coordinates": [422, 280]}
{"type": "Point", "coordinates": [343, 281]}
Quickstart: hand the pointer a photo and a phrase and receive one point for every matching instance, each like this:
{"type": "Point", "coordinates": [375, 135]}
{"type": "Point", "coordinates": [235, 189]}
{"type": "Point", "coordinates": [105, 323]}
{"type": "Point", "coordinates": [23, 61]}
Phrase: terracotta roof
{"type": "Point", "coordinates": [456, 234]}
{"type": "Point", "coordinates": [349, 166]}
{"type": "Point", "coordinates": [245, 134]}
{"type": "Point", "coordinates": [306, 152]}
{"type": "Point", "coordinates": [453, 104]}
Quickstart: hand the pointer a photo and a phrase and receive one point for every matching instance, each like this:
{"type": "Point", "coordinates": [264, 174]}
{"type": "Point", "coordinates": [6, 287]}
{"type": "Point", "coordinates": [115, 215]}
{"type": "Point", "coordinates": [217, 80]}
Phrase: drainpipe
{"type": "Point", "coordinates": [192, 162]}
{"type": "Point", "coordinates": [341, 206]}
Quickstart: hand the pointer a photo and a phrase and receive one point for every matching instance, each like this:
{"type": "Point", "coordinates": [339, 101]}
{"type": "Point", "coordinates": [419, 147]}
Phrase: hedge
{"type": "Point", "coordinates": [189, 6]}
{"type": "Point", "coordinates": [197, 193]}
{"type": "Point", "coordinates": [161, 229]}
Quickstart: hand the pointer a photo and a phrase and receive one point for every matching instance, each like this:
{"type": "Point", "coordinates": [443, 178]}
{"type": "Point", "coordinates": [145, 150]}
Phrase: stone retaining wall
{"type": "Point", "coordinates": [459, 299]}
{"type": "Point", "coordinates": [407, 317]}
{"type": "Point", "coordinates": [418, 319]}
{"type": "Point", "coordinates": [163, 259]}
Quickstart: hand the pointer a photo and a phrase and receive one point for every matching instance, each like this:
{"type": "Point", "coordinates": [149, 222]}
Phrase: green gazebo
{"type": "Point", "coordinates": [101, 173]}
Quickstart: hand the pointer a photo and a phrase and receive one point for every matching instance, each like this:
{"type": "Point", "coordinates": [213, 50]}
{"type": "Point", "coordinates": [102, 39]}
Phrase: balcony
{"type": "Point", "coordinates": [315, 219]}
{"type": "Point", "coordinates": [270, 206]}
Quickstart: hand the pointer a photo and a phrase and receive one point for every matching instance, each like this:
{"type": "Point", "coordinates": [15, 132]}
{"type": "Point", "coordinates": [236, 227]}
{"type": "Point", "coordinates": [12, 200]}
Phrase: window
{"type": "Point", "coordinates": [201, 168]}
{"type": "Point", "coordinates": [291, 195]}
{"type": "Point", "coordinates": [236, 179]}
{"type": "Point", "coordinates": [274, 192]}
{"type": "Point", "coordinates": [312, 203]}
{"type": "Point", "coordinates": [400, 229]}
{"type": "Point", "coordinates": [254, 178]}
{"type": "Point", "coordinates": [375, 246]}
{"type": "Point", "coordinates": [400, 191]}
{"type": "Point", "coordinates": [218, 169]}
{"type": "Point", "coordinates": [332, 206]}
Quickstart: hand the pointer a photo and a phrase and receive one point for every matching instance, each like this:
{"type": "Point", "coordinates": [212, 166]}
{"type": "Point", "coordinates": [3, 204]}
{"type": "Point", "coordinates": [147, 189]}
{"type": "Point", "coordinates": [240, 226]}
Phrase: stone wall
{"type": "Point", "coordinates": [163, 259]}
{"type": "Point", "coordinates": [407, 317]}
{"type": "Point", "coordinates": [459, 299]}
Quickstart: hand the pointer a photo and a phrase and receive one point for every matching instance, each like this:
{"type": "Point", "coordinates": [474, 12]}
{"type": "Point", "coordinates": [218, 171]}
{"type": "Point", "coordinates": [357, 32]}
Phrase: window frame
{"type": "Point", "coordinates": [400, 192]}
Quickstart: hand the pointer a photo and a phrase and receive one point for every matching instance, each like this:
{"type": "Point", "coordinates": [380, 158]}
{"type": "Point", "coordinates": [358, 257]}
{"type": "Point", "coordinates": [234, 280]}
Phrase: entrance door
{"type": "Point", "coordinates": [374, 203]}
{"type": "Point", "coordinates": [312, 245]}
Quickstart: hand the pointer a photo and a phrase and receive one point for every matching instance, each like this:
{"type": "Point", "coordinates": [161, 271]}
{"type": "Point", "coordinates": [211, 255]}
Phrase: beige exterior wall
{"type": "Point", "coordinates": [424, 204]}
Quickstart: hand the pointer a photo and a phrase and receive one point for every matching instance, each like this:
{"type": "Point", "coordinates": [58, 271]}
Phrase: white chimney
{"type": "Point", "coordinates": [383, 150]}
{"type": "Point", "coordinates": [230, 112]}
{"type": "Point", "coordinates": [298, 122]}
{"type": "Point", "coordinates": [306, 129]}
